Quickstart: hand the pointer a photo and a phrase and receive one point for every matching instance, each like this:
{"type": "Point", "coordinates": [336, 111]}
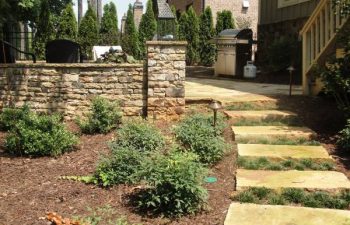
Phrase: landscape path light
{"type": "Point", "coordinates": [291, 69]}
{"type": "Point", "coordinates": [215, 106]}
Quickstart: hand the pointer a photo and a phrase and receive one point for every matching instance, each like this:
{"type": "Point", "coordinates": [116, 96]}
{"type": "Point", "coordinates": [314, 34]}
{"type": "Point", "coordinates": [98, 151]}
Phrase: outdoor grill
{"type": "Point", "coordinates": [234, 49]}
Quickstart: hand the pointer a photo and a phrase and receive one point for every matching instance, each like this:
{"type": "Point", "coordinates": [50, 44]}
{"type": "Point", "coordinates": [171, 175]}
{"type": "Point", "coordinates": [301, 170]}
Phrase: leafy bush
{"type": "Point", "coordinates": [197, 135]}
{"type": "Point", "coordinates": [40, 135]}
{"type": "Point", "coordinates": [139, 135]}
{"type": "Point", "coordinates": [119, 168]}
{"type": "Point", "coordinates": [10, 116]}
{"type": "Point", "coordinates": [174, 184]}
{"type": "Point", "coordinates": [344, 140]}
{"type": "Point", "coordinates": [105, 116]}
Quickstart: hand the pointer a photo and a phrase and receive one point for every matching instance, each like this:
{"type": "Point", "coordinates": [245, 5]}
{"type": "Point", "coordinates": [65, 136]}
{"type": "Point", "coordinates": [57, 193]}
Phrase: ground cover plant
{"type": "Point", "coordinates": [242, 106]}
{"type": "Point", "coordinates": [263, 163]}
{"type": "Point", "coordinates": [269, 122]}
{"type": "Point", "coordinates": [292, 196]}
{"type": "Point", "coordinates": [105, 115]}
{"type": "Point", "coordinates": [39, 135]}
{"type": "Point", "coordinates": [278, 141]}
{"type": "Point", "coordinates": [197, 134]}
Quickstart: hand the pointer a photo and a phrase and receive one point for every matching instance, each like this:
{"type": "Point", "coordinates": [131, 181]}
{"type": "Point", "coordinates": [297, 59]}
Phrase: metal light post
{"type": "Point", "coordinates": [215, 106]}
{"type": "Point", "coordinates": [291, 69]}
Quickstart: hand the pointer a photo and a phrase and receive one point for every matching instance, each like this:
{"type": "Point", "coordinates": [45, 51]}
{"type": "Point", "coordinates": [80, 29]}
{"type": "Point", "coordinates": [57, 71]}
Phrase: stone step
{"type": "Point", "coordinates": [261, 115]}
{"type": "Point", "coordinates": [282, 152]}
{"type": "Point", "coordinates": [252, 214]}
{"type": "Point", "coordinates": [316, 180]}
{"type": "Point", "coordinates": [272, 132]}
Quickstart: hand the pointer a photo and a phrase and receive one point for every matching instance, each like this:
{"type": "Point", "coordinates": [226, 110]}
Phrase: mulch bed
{"type": "Point", "coordinates": [30, 187]}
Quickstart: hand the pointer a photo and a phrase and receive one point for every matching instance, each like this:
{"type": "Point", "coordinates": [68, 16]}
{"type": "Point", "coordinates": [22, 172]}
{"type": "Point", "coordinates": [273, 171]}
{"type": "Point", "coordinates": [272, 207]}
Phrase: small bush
{"type": "Point", "coordinates": [174, 185]}
{"type": "Point", "coordinates": [10, 116]}
{"type": "Point", "coordinates": [293, 195]}
{"type": "Point", "coordinates": [197, 135]}
{"type": "Point", "coordinates": [344, 140]}
{"type": "Point", "coordinates": [40, 135]}
{"type": "Point", "coordinates": [105, 116]}
{"type": "Point", "coordinates": [119, 168]}
{"type": "Point", "coordinates": [139, 135]}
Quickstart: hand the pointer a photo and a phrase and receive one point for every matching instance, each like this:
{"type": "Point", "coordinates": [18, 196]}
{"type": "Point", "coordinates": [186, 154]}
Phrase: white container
{"type": "Point", "coordinates": [250, 70]}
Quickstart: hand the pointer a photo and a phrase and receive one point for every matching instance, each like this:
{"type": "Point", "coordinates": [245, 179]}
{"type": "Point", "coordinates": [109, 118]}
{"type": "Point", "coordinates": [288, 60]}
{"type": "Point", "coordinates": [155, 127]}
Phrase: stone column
{"type": "Point", "coordinates": [166, 73]}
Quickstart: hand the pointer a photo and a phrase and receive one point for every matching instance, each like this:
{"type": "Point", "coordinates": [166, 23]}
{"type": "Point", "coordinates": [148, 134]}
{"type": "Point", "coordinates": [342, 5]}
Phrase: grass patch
{"type": "Point", "coordinates": [278, 141]}
{"type": "Point", "coordinates": [263, 163]}
{"type": "Point", "coordinates": [293, 196]}
{"type": "Point", "coordinates": [242, 106]}
{"type": "Point", "coordinates": [269, 122]}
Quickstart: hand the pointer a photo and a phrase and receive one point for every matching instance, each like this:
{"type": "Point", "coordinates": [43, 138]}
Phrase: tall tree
{"type": "Point", "coordinates": [88, 31]}
{"type": "Point", "coordinates": [148, 27]}
{"type": "Point", "coordinates": [189, 31]}
{"type": "Point", "coordinates": [130, 41]}
{"type": "Point", "coordinates": [173, 9]}
{"type": "Point", "coordinates": [109, 25]}
{"type": "Point", "coordinates": [224, 20]}
{"type": "Point", "coordinates": [67, 24]}
{"type": "Point", "coordinates": [206, 34]}
{"type": "Point", "coordinates": [45, 30]}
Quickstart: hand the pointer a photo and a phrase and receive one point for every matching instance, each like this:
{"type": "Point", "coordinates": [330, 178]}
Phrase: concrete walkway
{"type": "Point", "coordinates": [234, 91]}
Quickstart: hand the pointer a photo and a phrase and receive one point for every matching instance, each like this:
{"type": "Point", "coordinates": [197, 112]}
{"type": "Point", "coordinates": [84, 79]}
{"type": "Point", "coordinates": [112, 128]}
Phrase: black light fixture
{"type": "Point", "coordinates": [291, 69]}
{"type": "Point", "coordinates": [215, 106]}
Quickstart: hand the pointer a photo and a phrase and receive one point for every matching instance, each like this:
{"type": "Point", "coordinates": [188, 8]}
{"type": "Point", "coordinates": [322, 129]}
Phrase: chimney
{"type": "Point", "coordinates": [138, 11]}
{"type": "Point", "coordinates": [123, 23]}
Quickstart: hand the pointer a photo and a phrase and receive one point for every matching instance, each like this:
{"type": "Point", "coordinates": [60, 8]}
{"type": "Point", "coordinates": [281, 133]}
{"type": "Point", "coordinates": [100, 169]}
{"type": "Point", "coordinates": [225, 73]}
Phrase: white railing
{"type": "Point", "coordinates": [317, 34]}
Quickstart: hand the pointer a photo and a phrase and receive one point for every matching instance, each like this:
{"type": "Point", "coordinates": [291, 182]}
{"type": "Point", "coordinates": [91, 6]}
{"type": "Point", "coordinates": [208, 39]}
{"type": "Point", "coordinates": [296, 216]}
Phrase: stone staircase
{"type": "Point", "coordinates": [251, 214]}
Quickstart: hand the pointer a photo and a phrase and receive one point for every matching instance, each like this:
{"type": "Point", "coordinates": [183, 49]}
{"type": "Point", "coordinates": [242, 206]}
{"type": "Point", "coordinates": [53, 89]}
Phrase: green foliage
{"type": "Point", "coordinates": [109, 25]}
{"type": "Point", "coordinates": [270, 121]}
{"type": "Point", "coordinates": [88, 32]}
{"type": "Point", "coordinates": [130, 40]}
{"type": "Point", "coordinates": [148, 27]}
{"type": "Point", "coordinates": [45, 30]}
{"type": "Point", "coordinates": [278, 141]}
{"type": "Point", "coordinates": [174, 185]}
{"type": "Point", "coordinates": [189, 31]}
{"type": "Point", "coordinates": [141, 136]}
{"type": "Point", "coordinates": [292, 196]}
{"type": "Point", "coordinates": [207, 50]}
{"type": "Point", "coordinates": [344, 139]}
{"type": "Point", "coordinates": [105, 115]}
{"type": "Point", "coordinates": [282, 53]}
{"type": "Point", "coordinates": [40, 135]}
{"type": "Point", "coordinates": [120, 167]}
{"type": "Point", "coordinates": [176, 34]}
{"type": "Point", "coordinates": [263, 163]}
{"type": "Point", "coordinates": [67, 25]}
{"type": "Point", "coordinates": [344, 6]}
{"type": "Point", "coordinates": [197, 134]}
{"type": "Point", "coordinates": [10, 116]}
{"type": "Point", "coordinates": [245, 106]}
{"type": "Point", "coordinates": [224, 20]}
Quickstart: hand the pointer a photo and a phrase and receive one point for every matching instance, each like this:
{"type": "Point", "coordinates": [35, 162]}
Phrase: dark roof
{"type": "Point", "coordinates": [164, 10]}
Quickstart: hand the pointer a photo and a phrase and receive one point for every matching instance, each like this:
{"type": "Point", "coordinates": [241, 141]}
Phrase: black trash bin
{"type": "Point", "coordinates": [63, 51]}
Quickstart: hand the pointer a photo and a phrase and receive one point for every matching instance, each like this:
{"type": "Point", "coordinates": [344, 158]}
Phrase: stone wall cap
{"type": "Point", "coordinates": [176, 43]}
{"type": "Point", "coordinates": [69, 65]}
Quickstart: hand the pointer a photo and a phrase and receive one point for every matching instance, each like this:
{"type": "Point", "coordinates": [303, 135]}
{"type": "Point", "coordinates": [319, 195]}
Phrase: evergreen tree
{"type": "Point", "coordinates": [206, 33]}
{"type": "Point", "coordinates": [130, 41]}
{"type": "Point", "coordinates": [224, 21]}
{"type": "Point", "coordinates": [173, 9]}
{"type": "Point", "coordinates": [109, 25]}
{"type": "Point", "coordinates": [189, 31]}
{"type": "Point", "coordinates": [88, 32]}
{"type": "Point", "coordinates": [67, 25]}
{"type": "Point", "coordinates": [148, 27]}
{"type": "Point", "coordinates": [45, 30]}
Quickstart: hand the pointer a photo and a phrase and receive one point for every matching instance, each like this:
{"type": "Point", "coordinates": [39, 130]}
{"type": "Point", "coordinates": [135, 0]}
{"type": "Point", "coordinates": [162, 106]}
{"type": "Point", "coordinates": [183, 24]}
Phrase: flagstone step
{"type": "Point", "coordinates": [261, 115]}
{"type": "Point", "coordinates": [252, 214]}
{"type": "Point", "coordinates": [317, 180]}
{"type": "Point", "coordinates": [282, 152]}
{"type": "Point", "coordinates": [272, 132]}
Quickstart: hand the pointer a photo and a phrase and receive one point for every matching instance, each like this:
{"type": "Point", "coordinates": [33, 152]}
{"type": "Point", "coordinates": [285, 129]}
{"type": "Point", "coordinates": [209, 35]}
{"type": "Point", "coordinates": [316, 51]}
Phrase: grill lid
{"type": "Point", "coordinates": [229, 33]}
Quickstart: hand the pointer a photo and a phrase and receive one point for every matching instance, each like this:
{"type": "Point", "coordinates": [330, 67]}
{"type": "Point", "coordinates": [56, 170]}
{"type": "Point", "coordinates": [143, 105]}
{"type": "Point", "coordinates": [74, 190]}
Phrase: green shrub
{"type": "Point", "coordinates": [120, 167]}
{"type": "Point", "coordinates": [344, 139]}
{"type": "Point", "coordinates": [105, 115]}
{"type": "Point", "coordinates": [174, 184]}
{"type": "Point", "coordinates": [139, 135]}
{"type": "Point", "coordinates": [40, 136]}
{"type": "Point", "coordinates": [10, 116]}
{"type": "Point", "coordinates": [293, 195]}
{"type": "Point", "coordinates": [197, 135]}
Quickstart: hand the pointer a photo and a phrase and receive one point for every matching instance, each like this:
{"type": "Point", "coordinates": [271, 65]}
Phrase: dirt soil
{"type": "Point", "coordinates": [30, 187]}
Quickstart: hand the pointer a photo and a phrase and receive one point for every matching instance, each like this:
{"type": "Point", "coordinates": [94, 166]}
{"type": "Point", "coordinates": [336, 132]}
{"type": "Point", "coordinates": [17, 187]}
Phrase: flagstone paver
{"type": "Point", "coordinates": [251, 214]}
{"type": "Point", "coordinates": [260, 115]}
{"type": "Point", "coordinates": [272, 132]}
{"type": "Point", "coordinates": [283, 151]}
{"type": "Point", "coordinates": [325, 180]}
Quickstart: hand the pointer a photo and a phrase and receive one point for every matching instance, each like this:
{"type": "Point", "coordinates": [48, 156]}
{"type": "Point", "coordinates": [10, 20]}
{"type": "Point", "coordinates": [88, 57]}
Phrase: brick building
{"type": "Point", "coordinates": [245, 12]}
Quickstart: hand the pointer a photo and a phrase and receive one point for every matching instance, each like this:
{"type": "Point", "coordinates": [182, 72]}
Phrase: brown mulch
{"type": "Point", "coordinates": [30, 187]}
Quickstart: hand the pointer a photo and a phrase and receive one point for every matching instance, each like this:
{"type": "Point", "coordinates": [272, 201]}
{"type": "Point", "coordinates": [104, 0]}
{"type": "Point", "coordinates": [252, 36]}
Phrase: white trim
{"type": "Point", "coordinates": [286, 3]}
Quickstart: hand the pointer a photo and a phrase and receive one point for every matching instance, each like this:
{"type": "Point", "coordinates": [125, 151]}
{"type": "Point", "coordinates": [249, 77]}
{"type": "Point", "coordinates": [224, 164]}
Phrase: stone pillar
{"type": "Point", "coordinates": [166, 63]}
